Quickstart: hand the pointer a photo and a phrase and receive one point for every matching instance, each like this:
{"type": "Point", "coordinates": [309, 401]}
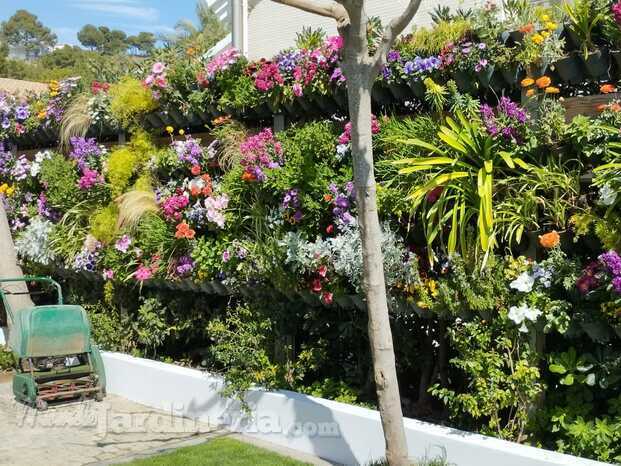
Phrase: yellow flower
{"type": "Point", "coordinates": [530, 92]}
{"type": "Point", "coordinates": [42, 114]}
{"type": "Point", "coordinates": [551, 26]}
{"type": "Point", "coordinates": [538, 39]}
{"type": "Point", "coordinates": [433, 287]}
{"type": "Point", "coordinates": [3, 187]}
{"type": "Point", "coordinates": [10, 191]}
{"type": "Point", "coordinates": [545, 34]}
{"type": "Point", "coordinates": [545, 18]}
{"type": "Point", "coordinates": [527, 82]}
{"type": "Point", "coordinates": [181, 132]}
{"type": "Point", "coordinates": [552, 90]}
{"type": "Point", "coordinates": [170, 129]}
{"type": "Point", "coordinates": [53, 94]}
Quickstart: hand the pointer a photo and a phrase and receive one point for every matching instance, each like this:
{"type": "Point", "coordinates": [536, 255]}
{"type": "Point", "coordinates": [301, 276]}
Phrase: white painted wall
{"type": "Point", "coordinates": [273, 27]}
{"type": "Point", "coordinates": [337, 432]}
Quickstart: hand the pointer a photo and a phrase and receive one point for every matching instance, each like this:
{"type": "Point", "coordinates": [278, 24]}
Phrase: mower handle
{"type": "Point", "coordinates": [28, 278]}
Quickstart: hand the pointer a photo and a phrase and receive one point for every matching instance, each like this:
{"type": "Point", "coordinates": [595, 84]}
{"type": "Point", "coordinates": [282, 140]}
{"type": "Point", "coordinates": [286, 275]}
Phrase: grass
{"type": "Point", "coordinates": [221, 452]}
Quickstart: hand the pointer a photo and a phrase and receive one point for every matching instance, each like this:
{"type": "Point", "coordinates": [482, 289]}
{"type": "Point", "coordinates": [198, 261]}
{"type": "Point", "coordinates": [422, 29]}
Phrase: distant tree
{"type": "Point", "coordinates": [143, 43]}
{"type": "Point", "coordinates": [4, 53]}
{"type": "Point", "coordinates": [209, 31]}
{"type": "Point", "coordinates": [116, 41]}
{"type": "Point", "coordinates": [24, 29]}
{"type": "Point", "coordinates": [65, 57]}
{"type": "Point", "coordinates": [91, 37]}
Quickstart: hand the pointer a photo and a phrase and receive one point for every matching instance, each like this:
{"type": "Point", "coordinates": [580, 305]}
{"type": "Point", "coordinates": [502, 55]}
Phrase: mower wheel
{"type": "Point", "coordinates": [99, 396]}
{"type": "Point", "coordinates": [41, 405]}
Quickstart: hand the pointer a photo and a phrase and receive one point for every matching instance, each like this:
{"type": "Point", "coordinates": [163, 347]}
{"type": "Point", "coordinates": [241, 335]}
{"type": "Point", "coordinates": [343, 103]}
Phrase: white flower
{"type": "Point", "coordinates": [523, 283]}
{"type": "Point", "coordinates": [520, 314]}
{"type": "Point", "coordinates": [607, 195]}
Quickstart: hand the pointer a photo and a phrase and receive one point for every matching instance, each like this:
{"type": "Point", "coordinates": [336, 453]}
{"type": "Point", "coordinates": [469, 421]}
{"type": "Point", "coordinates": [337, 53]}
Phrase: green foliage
{"type": "Point", "coordinates": [130, 100]}
{"type": "Point", "coordinates": [103, 223]}
{"type": "Point", "coordinates": [207, 255]}
{"type": "Point", "coordinates": [111, 331]}
{"type": "Point", "coordinates": [309, 38]}
{"type": "Point", "coordinates": [502, 379]}
{"type": "Point", "coordinates": [60, 176]}
{"type": "Point", "coordinates": [432, 41]}
{"type": "Point", "coordinates": [151, 327]}
{"type": "Point", "coordinates": [155, 236]}
{"type": "Point", "coordinates": [125, 162]}
{"type": "Point", "coordinates": [7, 361]}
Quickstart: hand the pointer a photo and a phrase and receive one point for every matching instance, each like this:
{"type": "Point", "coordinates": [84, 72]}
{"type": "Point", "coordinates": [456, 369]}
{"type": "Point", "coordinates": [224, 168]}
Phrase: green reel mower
{"type": "Point", "coordinates": [55, 355]}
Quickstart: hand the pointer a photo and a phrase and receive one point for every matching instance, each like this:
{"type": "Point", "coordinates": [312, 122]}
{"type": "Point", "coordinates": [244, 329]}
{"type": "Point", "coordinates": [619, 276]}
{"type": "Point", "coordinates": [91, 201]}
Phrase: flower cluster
{"type": "Point", "coordinates": [173, 206]}
{"type": "Point", "coordinates": [612, 262]}
{"type": "Point", "coordinates": [89, 256]}
{"type": "Point", "coordinates": [221, 62]}
{"type": "Point", "coordinates": [189, 151]}
{"type": "Point", "coordinates": [268, 76]}
{"type": "Point", "coordinates": [466, 56]}
{"type": "Point", "coordinates": [291, 206]}
{"type": "Point", "coordinates": [156, 80]}
{"type": "Point", "coordinates": [342, 202]}
{"type": "Point", "coordinates": [508, 119]}
{"type": "Point", "coordinates": [260, 152]}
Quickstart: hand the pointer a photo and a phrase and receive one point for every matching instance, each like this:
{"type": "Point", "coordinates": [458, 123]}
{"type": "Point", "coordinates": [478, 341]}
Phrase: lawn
{"type": "Point", "coordinates": [221, 452]}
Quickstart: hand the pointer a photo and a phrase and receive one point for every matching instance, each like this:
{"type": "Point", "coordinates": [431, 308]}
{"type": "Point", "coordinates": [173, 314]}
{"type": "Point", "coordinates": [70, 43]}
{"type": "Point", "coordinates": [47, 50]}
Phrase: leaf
{"type": "Point", "coordinates": [557, 368]}
{"type": "Point", "coordinates": [507, 158]}
{"type": "Point", "coordinates": [435, 182]}
{"type": "Point", "coordinates": [567, 380]}
{"type": "Point", "coordinates": [590, 380]}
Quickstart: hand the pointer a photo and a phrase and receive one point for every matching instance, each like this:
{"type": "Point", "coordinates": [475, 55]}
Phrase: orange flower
{"type": "Point", "coordinates": [195, 170]}
{"type": "Point", "coordinates": [221, 120]}
{"type": "Point", "coordinates": [550, 240]}
{"type": "Point", "coordinates": [247, 176]}
{"type": "Point", "coordinates": [552, 90]}
{"type": "Point", "coordinates": [601, 107]}
{"type": "Point", "coordinates": [327, 197]}
{"type": "Point", "coordinates": [184, 231]}
{"type": "Point", "coordinates": [527, 28]}
{"type": "Point", "coordinates": [607, 88]}
{"type": "Point", "coordinates": [530, 92]}
{"type": "Point", "coordinates": [543, 82]}
{"type": "Point", "coordinates": [527, 82]}
{"type": "Point", "coordinates": [615, 107]}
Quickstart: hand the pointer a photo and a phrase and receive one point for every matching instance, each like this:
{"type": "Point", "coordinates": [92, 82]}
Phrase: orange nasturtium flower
{"type": "Point", "coordinates": [543, 82]}
{"type": "Point", "coordinates": [552, 90]}
{"type": "Point", "coordinates": [607, 88]}
{"type": "Point", "coordinates": [550, 240]}
{"type": "Point", "coordinates": [327, 197]}
{"type": "Point", "coordinates": [530, 92]}
{"type": "Point", "coordinates": [527, 28]}
{"type": "Point", "coordinates": [184, 231]}
{"type": "Point", "coordinates": [527, 82]}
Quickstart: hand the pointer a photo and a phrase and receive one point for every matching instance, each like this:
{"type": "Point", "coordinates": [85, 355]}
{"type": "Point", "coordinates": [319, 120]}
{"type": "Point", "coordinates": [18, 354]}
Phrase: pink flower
{"type": "Point", "coordinates": [108, 274]}
{"type": "Point", "coordinates": [297, 90]}
{"type": "Point", "coordinates": [335, 43]}
{"type": "Point", "coordinates": [158, 68]}
{"type": "Point", "coordinates": [143, 273]}
{"type": "Point", "coordinates": [149, 80]}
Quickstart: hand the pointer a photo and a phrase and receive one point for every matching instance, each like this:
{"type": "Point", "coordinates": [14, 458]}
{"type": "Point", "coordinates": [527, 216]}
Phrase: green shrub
{"type": "Point", "coordinates": [103, 223]}
{"type": "Point", "coordinates": [7, 361]}
{"type": "Point", "coordinates": [60, 176]}
{"type": "Point", "coordinates": [125, 161]}
{"type": "Point", "coordinates": [129, 100]}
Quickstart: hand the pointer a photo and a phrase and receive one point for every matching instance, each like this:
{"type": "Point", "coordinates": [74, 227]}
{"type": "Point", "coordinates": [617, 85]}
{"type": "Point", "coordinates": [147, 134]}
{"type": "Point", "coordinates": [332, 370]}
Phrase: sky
{"type": "Point", "coordinates": [66, 17]}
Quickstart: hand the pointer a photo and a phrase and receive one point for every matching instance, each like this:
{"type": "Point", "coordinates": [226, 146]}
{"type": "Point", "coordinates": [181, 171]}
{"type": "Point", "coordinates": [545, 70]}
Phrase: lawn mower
{"type": "Point", "coordinates": [55, 355]}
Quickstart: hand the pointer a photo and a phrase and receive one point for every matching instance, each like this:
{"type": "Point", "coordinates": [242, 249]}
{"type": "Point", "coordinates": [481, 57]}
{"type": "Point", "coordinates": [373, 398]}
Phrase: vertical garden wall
{"type": "Point", "coordinates": [210, 240]}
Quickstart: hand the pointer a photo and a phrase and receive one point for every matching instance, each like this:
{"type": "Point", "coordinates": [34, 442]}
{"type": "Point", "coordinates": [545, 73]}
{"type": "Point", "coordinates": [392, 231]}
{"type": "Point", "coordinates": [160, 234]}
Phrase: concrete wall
{"type": "Point", "coordinates": [334, 431]}
{"type": "Point", "coordinates": [273, 27]}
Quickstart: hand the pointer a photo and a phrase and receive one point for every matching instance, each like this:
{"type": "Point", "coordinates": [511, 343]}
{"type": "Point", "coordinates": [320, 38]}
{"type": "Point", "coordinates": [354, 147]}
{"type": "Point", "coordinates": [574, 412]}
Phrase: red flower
{"type": "Point", "coordinates": [327, 297]}
{"type": "Point", "coordinates": [322, 271]}
{"type": "Point", "coordinates": [330, 229]}
{"type": "Point", "coordinates": [316, 286]}
{"type": "Point", "coordinates": [434, 194]}
{"type": "Point", "coordinates": [196, 170]}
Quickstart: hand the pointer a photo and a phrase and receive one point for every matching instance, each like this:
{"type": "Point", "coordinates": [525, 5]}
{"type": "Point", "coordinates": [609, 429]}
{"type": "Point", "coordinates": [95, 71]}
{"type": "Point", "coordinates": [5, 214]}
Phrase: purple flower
{"type": "Point", "coordinates": [616, 284]}
{"type": "Point", "coordinates": [123, 243]}
{"type": "Point", "coordinates": [481, 65]}
{"type": "Point", "coordinates": [185, 265]}
{"type": "Point", "coordinates": [22, 112]}
{"type": "Point", "coordinates": [226, 256]}
{"type": "Point", "coordinates": [409, 68]}
{"type": "Point", "coordinates": [612, 261]}
{"type": "Point", "coordinates": [393, 56]}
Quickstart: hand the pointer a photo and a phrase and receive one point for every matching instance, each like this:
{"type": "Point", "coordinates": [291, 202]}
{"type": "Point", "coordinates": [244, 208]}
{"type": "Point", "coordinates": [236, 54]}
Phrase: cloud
{"type": "Point", "coordinates": [121, 8]}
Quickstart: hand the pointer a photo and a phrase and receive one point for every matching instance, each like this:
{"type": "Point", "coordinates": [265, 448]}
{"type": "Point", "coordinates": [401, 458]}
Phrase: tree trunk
{"type": "Point", "coordinates": [9, 267]}
{"type": "Point", "coordinates": [359, 84]}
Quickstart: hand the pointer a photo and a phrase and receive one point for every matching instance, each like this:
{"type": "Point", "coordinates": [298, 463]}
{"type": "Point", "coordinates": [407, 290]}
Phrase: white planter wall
{"type": "Point", "coordinates": [334, 431]}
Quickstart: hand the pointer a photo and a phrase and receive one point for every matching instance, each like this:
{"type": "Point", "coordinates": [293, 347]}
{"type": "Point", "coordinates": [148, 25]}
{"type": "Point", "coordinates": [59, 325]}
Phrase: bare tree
{"type": "Point", "coordinates": [361, 70]}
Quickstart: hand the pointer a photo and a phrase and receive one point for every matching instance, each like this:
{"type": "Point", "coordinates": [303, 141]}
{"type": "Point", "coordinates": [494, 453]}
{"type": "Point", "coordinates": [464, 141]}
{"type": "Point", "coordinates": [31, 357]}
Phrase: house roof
{"type": "Point", "coordinates": [21, 88]}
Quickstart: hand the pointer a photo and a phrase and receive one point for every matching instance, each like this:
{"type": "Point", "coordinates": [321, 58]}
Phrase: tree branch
{"type": "Point", "coordinates": [331, 10]}
{"type": "Point", "coordinates": [392, 31]}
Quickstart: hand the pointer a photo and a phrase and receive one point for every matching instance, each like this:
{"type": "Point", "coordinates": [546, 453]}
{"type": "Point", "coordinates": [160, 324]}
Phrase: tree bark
{"type": "Point", "coordinates": [361, 70]}
{"type": "Point", "coordinates": [9, 267]}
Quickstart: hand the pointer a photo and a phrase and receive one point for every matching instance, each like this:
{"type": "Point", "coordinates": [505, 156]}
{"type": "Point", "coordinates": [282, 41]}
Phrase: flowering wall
{"type": "Point", "coordinates": [501, 222]}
